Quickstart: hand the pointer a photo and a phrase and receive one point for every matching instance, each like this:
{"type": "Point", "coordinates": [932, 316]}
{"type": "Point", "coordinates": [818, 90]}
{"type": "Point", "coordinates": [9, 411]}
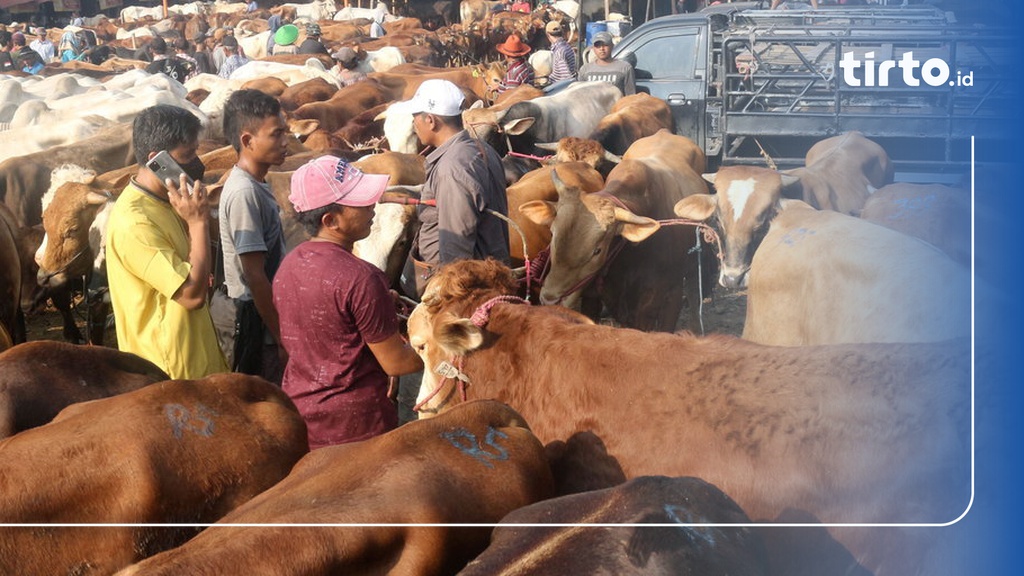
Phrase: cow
{"type": "Point", "coordinates": [537, 185]}
{"type": "Point", "coordinates": [314, 90]}
{"type": "Point", "coordinates": [621, 550]}
{"type": "Point", "coordinates": [632, 118]}
{"type": "Point", "coordinates": [344, 105]}
{"type": "Point", "coordinates": [840, 173]}
{"type": "Point", "coordinates": [75, 213]}
{"type": "Point", "coordinates": [822, 277]}
{"type": "Point", "coordinates": [572, 149]}
{"type": "Point", "coordinates": [937, 214]}
{"type": "Point", "coordinates": [856, 433]}
{"type": "Point", "coordinates": [175, 452]}
{"type": "Point", "coordinates": [471, 465]}
{"type": "Point", "coordinates": [39, 379]}
{"type": "Point", "coordinates": [608, 247]}
{"type": "Point", "coordinates": [11, 318]}
{"type": "Point", "coordinates": [474, 12]}
{"type": "Point", "coordinates": [575, 111]}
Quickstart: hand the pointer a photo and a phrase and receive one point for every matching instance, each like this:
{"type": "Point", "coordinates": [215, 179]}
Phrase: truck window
{"type": "Point", "coordinates": [669, 56]}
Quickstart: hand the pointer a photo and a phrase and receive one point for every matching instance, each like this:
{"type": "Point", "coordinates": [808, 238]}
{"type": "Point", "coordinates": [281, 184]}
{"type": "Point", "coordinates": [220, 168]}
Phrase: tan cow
{"type": "Point", "coordinates": [840, 173]}
{"type": "Point", "coordinates": [39, 379]}
{"type": "Point", "coordinates": [11, 318]}
{"type": "Point", "coordinates": [179, 451]}
{"type": "Point", "coordinates": [537, 185]}
{"type": "Point", "coordinates": [608, 245]}
{"type": "Point", "coordinates": [821, 277]}
{"type": "Point", "coordinates": [632, 118]}
{"type": "Point", "coordinates": [471, 465]}
{"type": "Point", "coordinates": [845, 434]}
{"type": "Point", "coordinates": [939, 215]}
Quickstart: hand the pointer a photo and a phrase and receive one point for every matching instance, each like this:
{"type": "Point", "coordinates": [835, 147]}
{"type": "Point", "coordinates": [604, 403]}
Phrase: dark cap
{"type": "Point", "coordinates": [603, 37]}
{"type": "Point", "coordinates": [229, 42]}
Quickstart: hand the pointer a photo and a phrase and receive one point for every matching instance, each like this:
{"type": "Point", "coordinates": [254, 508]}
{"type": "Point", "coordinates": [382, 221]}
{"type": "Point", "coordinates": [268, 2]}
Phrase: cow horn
{"type": "Point", "coordinates": [710, 177]}
{"type": "Point", "coordinates": [519, 273]}
{"type": "Point", "coordinates": [614, 159]}
{"type": "Point", "coordinates": [549, 146]}
{"type": "Point", "coordinates": [559, 185]}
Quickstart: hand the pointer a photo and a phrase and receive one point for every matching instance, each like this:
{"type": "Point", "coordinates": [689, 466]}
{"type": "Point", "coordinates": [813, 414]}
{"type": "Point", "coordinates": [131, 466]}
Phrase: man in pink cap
{"type": "Point", "coordinates": [337, 316]}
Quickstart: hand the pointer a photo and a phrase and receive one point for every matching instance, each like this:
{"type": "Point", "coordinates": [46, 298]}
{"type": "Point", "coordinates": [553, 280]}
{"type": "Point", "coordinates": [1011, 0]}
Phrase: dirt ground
{"type": "Point", "coordinates": [724, 315]}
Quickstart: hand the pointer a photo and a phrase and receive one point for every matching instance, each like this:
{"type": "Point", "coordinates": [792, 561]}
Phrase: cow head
{"type": "Point", "coordinates": [494, 126]}
{"type": "Point", "coordinates": [748, 199]}
{"type": "Point", "coordinates": [439, 327]}
{"type": "Point", "coordinates": [584, 230]}
{"type": "Point", "coordinates": [573, 149]}
{"type": "Point", "coordinates": [73, 215]}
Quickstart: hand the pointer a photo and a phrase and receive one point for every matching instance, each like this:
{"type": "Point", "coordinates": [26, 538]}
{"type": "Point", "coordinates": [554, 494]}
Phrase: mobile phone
{"type": "Point", "coordinates": [165, 167]}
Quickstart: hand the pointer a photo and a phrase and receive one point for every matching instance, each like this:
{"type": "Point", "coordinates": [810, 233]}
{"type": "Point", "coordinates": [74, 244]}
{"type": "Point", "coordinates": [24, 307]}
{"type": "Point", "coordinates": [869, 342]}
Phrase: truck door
{"type": "Point", "coordinates": [671, 64]}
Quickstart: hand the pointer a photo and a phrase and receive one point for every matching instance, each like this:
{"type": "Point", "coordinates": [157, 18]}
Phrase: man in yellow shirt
{"type": "Point", "coordinates": [158, 253]}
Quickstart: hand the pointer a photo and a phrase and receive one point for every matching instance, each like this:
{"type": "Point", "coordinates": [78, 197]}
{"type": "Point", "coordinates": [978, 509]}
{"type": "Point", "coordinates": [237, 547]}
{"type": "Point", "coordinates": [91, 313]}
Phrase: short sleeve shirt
{"type": "Point", "coordinates": [617, 72]}
{"type": "Point", "coordinates": [331, 304]}
{"type": "Point", "coordinates": [250, 221]}
{"type": "Point", "coordinates": [147, 261]}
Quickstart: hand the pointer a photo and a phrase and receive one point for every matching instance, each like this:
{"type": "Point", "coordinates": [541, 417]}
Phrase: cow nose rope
{"type": "Point", "coordinates": [452, 370]}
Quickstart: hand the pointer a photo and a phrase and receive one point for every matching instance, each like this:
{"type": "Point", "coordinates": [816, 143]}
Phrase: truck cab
{"type": "Point", "coordinates": [760, 87]}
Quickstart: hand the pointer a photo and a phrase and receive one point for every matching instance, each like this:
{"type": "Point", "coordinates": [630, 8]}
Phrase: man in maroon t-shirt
{"type": "Point", "coordinates": [337, 316]}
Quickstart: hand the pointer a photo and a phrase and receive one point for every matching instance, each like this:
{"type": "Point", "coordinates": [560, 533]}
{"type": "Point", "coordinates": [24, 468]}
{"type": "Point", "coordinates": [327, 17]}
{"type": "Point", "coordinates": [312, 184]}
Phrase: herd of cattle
{"type": "Point", "coordinates": [847, 402]}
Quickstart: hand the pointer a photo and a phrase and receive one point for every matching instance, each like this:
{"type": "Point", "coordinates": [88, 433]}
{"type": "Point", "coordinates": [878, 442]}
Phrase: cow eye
{"type": "Point", "coordinates": [596, 251]}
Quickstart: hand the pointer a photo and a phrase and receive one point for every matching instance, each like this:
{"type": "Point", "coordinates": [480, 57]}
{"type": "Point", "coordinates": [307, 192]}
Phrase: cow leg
{"type": "Point", "coordinates": [99, 309]}
{"type": "Point", "coordinates": [61, 299]}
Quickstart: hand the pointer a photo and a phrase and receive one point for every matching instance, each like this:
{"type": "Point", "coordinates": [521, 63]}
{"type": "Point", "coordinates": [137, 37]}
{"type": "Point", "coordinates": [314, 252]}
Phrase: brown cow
{"type": "Point", "coordinates": [313, 90]}
{"type": "Point", "coordinates": [572, 149]}
{"type": "Point", "coordinates": [840, 173]}
{"type": "Point", "coordinates": [821, 277]}
{"type": "Point", "coordinates": [179, 451]}
{"type": "Point", "coordinates": [346, 104]}
{"type": "Point", "coordinates": [850, 433]}
{"type": "Point", "coordinates": [11, 318]}
{"type": "Point", "coordinates": [937, 214]}
{"type": "Point", "coordinates": [644, 285]}
{"type": "Point", "coordinates": [623, 550]}
{"type": "Point", "coordinates": [473, 464]}
{"type": "Point", "coordinates": [39, 379]}
{"type": "Point", "coordinates": [402, 81]}
{"type": "Point", "coordinates": [632, 118]}
{"type": "Point", "coordinates": [538, 185]}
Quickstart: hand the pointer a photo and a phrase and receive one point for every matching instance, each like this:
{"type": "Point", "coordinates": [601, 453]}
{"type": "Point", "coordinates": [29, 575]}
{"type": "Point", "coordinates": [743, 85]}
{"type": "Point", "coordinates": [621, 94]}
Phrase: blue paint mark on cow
{"type": "Point", "coordinates": [791, 238]}
{"type": "Point", "coordinates": [910, 207]}
{"type": "Point", "coordinates": [199, 420]}
{"type": "Point", "coordinates": [467, 442]}
{"type": "Point", "coordinates": [696, 534]}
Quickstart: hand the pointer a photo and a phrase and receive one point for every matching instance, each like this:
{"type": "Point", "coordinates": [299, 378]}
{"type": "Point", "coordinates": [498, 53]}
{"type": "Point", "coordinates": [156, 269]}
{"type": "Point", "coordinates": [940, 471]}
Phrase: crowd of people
{"type": "Point", "coordinates": [318, 321]}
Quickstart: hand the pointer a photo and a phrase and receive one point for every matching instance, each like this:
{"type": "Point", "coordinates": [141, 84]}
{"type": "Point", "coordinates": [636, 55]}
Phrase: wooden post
{"type": "Point", "coordinates": [165, 8]}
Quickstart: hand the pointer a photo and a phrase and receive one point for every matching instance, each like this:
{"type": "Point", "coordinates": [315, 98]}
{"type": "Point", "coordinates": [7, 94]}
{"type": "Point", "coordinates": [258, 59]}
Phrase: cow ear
{"type": "Point", "coordinates": [696, 207]}
{"type": "Point", "coordinates": [303, 127]}
{"type": "Point", "coordinates": [382, 116]}
{"type": "Point", "coordinates": [789, 180]}
{"type": "Point", "coordinates": [635, 228]}
{"type": "Point", "coordinates": [710, 177]}
{"type": "Point", "coordinates": [97, 197]}
{"type": "Point", "coordinates": [517, 127]}
{"type": "Point", "coordinates": [458, 336]}
{"type": "Point", "coordinates": [539, 212]}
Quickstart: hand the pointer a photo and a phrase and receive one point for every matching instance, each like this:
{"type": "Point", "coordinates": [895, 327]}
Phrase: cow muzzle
{"type": "Point", "coordinates": [733, 278]}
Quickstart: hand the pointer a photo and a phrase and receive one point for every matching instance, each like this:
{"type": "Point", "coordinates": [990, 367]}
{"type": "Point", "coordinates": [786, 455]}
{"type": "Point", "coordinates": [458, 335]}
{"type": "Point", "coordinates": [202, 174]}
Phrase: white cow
{"type": "Point", "coordinates": [133, 13]}
{"type": "Point", "coordinates": [381, 60]}
{"type": "Point", "coordinates": [289, 73]}
{"type": "Point", "coordinates": [253, 46]}
{"type": "Point", "coordinates": [316, 10]}
{"type": "Point", "coordinates": [398, 131]}
{"type": "Point", "coordinates": [28, 139]}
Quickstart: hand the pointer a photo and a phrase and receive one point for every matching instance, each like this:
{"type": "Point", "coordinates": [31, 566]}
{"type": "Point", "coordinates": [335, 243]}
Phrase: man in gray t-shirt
{"type": "Point", "coordinates": [251, 235]}
{"type": "Point", "coordinates": [606, 69]}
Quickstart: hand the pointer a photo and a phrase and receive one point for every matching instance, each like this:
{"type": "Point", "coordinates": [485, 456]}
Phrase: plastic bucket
{"type": "Point", "coordinates": [594, 28]}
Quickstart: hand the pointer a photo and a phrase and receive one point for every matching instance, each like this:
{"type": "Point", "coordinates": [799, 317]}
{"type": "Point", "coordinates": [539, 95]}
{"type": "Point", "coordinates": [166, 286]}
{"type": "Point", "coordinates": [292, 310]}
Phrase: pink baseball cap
{"type": "Point", "coordinates": [331, 180]}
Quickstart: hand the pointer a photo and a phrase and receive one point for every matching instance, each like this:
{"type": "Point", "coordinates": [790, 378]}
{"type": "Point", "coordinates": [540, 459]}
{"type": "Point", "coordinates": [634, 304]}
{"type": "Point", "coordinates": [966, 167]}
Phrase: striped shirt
{"type": "Point", "coordinates": [519, 72]}
{"type": "Point", "coordinates": [563, 62]}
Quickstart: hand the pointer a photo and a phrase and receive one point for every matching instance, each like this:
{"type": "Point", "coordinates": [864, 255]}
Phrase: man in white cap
{"type": "Point", "coordinates": [606, 68]}
{"type": "Point", "coordinates": [337, 317]}
{"type": "Point", "coordinates": [465, 177]}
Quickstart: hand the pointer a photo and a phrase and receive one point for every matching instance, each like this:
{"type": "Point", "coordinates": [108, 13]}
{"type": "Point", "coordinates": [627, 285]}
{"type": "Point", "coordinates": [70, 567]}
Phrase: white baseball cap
{"type": "Point", "coordinates": [434, 96]}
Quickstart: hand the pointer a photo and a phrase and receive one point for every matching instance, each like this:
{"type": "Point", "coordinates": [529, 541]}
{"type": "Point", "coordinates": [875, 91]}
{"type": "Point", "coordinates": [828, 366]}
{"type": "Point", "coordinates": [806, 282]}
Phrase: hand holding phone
{"type": "Point", "coordinates": [166, 168]}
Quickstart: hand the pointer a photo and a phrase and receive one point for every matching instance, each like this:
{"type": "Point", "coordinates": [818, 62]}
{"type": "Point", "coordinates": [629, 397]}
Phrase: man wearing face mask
{"type": "Point", "coordinates": [158, 253]}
